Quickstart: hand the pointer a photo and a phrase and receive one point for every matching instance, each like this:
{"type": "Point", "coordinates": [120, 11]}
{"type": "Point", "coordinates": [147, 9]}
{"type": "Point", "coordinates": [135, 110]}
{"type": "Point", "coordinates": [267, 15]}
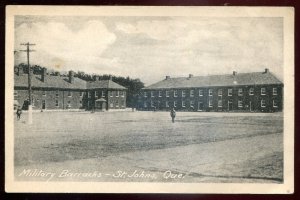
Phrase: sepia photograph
{"type": "Point", "coordinates": [149, 99]}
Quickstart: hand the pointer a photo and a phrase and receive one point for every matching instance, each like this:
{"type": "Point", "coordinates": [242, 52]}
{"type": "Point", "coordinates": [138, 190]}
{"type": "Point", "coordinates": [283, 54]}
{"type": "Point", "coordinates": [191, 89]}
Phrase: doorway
{"type": "Point", "coordinates": [230, 105]}
{"type": "Point", "coordinates": [200, 106]}
{"type": "Point", "coordinates": [44, 104]}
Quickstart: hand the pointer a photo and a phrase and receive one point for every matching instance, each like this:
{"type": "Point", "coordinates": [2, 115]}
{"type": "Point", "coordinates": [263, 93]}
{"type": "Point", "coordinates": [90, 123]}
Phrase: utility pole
{"type": "Point", "coordinates": [28, 50]}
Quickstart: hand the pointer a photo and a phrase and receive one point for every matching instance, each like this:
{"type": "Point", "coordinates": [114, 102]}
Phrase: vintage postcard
{"type": "Point", "coordinates": [149, 99]}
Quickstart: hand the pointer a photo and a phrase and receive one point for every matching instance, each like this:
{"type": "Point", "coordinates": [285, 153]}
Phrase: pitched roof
{"type": "Point", "coordinates": [51, 82]}
{"type": "Point", "coordinates": [256, 78]}
{"type": "Point", "coordinates": [63, 82]}
{"type": "Point", "coordinates": [104, 84]}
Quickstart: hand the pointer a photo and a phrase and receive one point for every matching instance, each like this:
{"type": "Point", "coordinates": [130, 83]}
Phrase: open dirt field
{"type": "Point", "coordinates": [146, 146]}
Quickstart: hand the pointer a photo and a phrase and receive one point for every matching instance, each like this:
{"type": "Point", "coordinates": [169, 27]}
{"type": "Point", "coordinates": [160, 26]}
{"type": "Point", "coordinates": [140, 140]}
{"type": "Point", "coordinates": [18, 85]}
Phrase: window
{"type": "Point", "coordinates": [111, 93]}
{"type": "Point", "coordinates": [89, 94]}
{"type": "Point", "coordinates": [274, 91]}
{"type": "Point", "coordinates": [167, 104]}
{"type": "Point", "coordinates": [200, 93]}
{"type": "Point", "coordinates": [103, 93]}
{"type": "Point", "coordinates": [57, 93]}
{"type": "Point", "coordinates": [192, 104]}
{"type": "Point", "coordinates": [191, 93]}
{"type": "Point", "coordinates": [251, 91]}
{"type": "Point", "coordinates": [145, 94]}
{"type": "Point", "coordinates": [117, 103]}
{"type": "Point", "coordinates": [152, 103]}
{"type": "Point", "coordinates": [210, 103]}
{"type": "Point", "coordinates": [80, 102]}
{"type": "Point", "coordinates": [183, 103]}
{"type": "Point", "coordinates": [167, 93]}
{"type": "Point", "coordinates": [145, 104]}
{"type": "Point", "coordinates": [124, 93]}
{"type": "Point", "coordinates": [182, 93]}
{"type": "Point", "coordinates": [230, 92]}
{"type": "Point", "coordinates": [263, 103]}
{"type": "Point", "coordinates": [152, 93]}
{"type": "Point", "coordinates": [81, 94]}
{"type": "Point", "coordinates": [15, 93]}
{"type": "Point", "coordinates": [96, 94]}
{"type": "Point", "coordinates": [117, 93]}
{"type": "Point", "coordinates": [175, 93]}
{"type": "Point", "coordinates": [56, 103]}
{"type": "Point", "coordinates": [210, 92]}
{"type": "Point", "coordinates": [220, 92]}
{"type": "Point", "coordinates": [263, 91]}
{"type": "Point", "coordinates": [111, 104]}
{"type": "Point", "coordinates": [220, 103]}
{"type": "Point", "coordinates": [44, 93]}
{"type": "Point", "coordinates": [240, 92]}
{"type": "Point", "coordinates": [240, 104]}
{"type": "Point", "coordinates": [121, 94]}
{"type": "Point", "coordinates": [69, 94]}
{"type": "Point", "coordinates": [275, 104]}
{"type": "Point", "coordinates": [159, 93]}
{"type": "Point", "coordinates": [175, 104]}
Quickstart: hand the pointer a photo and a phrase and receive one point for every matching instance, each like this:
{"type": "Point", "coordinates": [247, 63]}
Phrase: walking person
{"type": "Point", "coordinates": [173, 114]}
{"type": "Point", "coordinates": [19, 112]}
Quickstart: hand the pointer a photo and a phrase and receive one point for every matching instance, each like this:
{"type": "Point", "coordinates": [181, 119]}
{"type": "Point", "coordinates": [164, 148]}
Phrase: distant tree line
{"type": "Point", "coordinates": [133, 85]}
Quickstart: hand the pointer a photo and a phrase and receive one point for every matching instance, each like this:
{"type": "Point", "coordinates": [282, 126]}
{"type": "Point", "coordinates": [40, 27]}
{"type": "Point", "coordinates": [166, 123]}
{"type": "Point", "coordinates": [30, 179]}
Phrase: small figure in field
{"type": "Point", "coordinates": [173, 114]}
{"type": "Point", "coordinates": [19, 112]}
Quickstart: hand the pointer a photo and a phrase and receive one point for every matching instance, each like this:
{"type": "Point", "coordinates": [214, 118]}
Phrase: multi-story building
{"type": "Point", "coordinates": [243, 92]}
{"type": "Point", "coordinates": [58, 92]}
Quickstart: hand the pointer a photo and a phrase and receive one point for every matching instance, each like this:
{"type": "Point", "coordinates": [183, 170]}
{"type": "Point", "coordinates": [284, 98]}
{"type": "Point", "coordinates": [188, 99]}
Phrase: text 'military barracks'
{"type": "Point", "coordinates": [59, 92]}
{"type": "Point", "coordinates": [239, 92]}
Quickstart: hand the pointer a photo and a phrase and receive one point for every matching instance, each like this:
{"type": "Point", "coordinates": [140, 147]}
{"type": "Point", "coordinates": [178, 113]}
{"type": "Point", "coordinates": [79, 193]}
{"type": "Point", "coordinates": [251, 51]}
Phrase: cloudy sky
{"type": "Point", "coordinates": [150, 48]}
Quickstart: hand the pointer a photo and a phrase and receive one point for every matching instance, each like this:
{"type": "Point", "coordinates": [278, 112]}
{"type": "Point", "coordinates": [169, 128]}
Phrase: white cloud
{"type": "Point", "coordinates": [204, 46]}
{"type": "Point", "coordinates": [152, 48]}
{"type": "Point", "coordinates": [59, 45]}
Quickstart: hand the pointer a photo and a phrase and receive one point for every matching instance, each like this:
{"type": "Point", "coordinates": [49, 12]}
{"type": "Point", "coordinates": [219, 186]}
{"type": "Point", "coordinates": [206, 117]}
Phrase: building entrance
{"type": "Point", "coordinates": [200, 106]}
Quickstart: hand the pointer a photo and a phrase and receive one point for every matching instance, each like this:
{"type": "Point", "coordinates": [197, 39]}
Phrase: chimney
{"type": "Point", "coordinates": [96, 78]}
{"type": "Point", "coordinates": [167, 77]}
{"type": "Point", "coordinates": [190, 75]}
{"type": "Point", "coordinates": [234, 73]}
{"type": "Point", "coordinates": [266, 70]}
{"type": "Point", "coordinates": [44, 74]}
{"type": "Point", "coordinates": [71, 76]}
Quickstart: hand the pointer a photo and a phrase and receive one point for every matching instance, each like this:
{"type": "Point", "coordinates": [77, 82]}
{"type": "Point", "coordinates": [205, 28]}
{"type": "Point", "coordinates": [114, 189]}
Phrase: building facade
{"type": "Point", "coordinates": [59, 93]}
{"type": "Point", "coordinates": [245, 92]}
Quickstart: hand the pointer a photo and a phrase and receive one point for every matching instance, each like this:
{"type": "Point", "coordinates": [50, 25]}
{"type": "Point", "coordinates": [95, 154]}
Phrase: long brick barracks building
{"type": "Point", "coordinates": [58, 92]}
{"type": "Point", "coordinates": [243, 92]}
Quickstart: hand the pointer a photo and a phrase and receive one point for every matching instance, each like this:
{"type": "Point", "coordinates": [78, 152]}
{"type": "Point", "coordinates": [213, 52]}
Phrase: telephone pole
{"type": "Point", "coordinates": [28, 50]}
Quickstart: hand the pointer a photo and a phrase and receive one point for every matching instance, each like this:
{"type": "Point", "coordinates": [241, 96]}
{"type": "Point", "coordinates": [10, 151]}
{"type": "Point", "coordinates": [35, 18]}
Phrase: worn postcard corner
{"type": "Point", "coordinates": [149, 99]}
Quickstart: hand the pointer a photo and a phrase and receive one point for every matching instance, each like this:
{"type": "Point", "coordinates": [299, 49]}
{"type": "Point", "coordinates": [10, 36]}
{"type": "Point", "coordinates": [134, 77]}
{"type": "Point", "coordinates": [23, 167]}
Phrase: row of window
{"type": "Point", "coordinates": [210, 104]}
{"type": "Point", "coordinates": [116, 104]}
{"type": "Point", "coordinates": [56, 103]}
{"type": "Point", "coordinates": [210, 92]}
{"type": "Point", "coordinates": [96, 93]}
{"type": "Point", "coordinates": [69, 105]}
{"type": "Point", "coordinates": [111, 94]}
